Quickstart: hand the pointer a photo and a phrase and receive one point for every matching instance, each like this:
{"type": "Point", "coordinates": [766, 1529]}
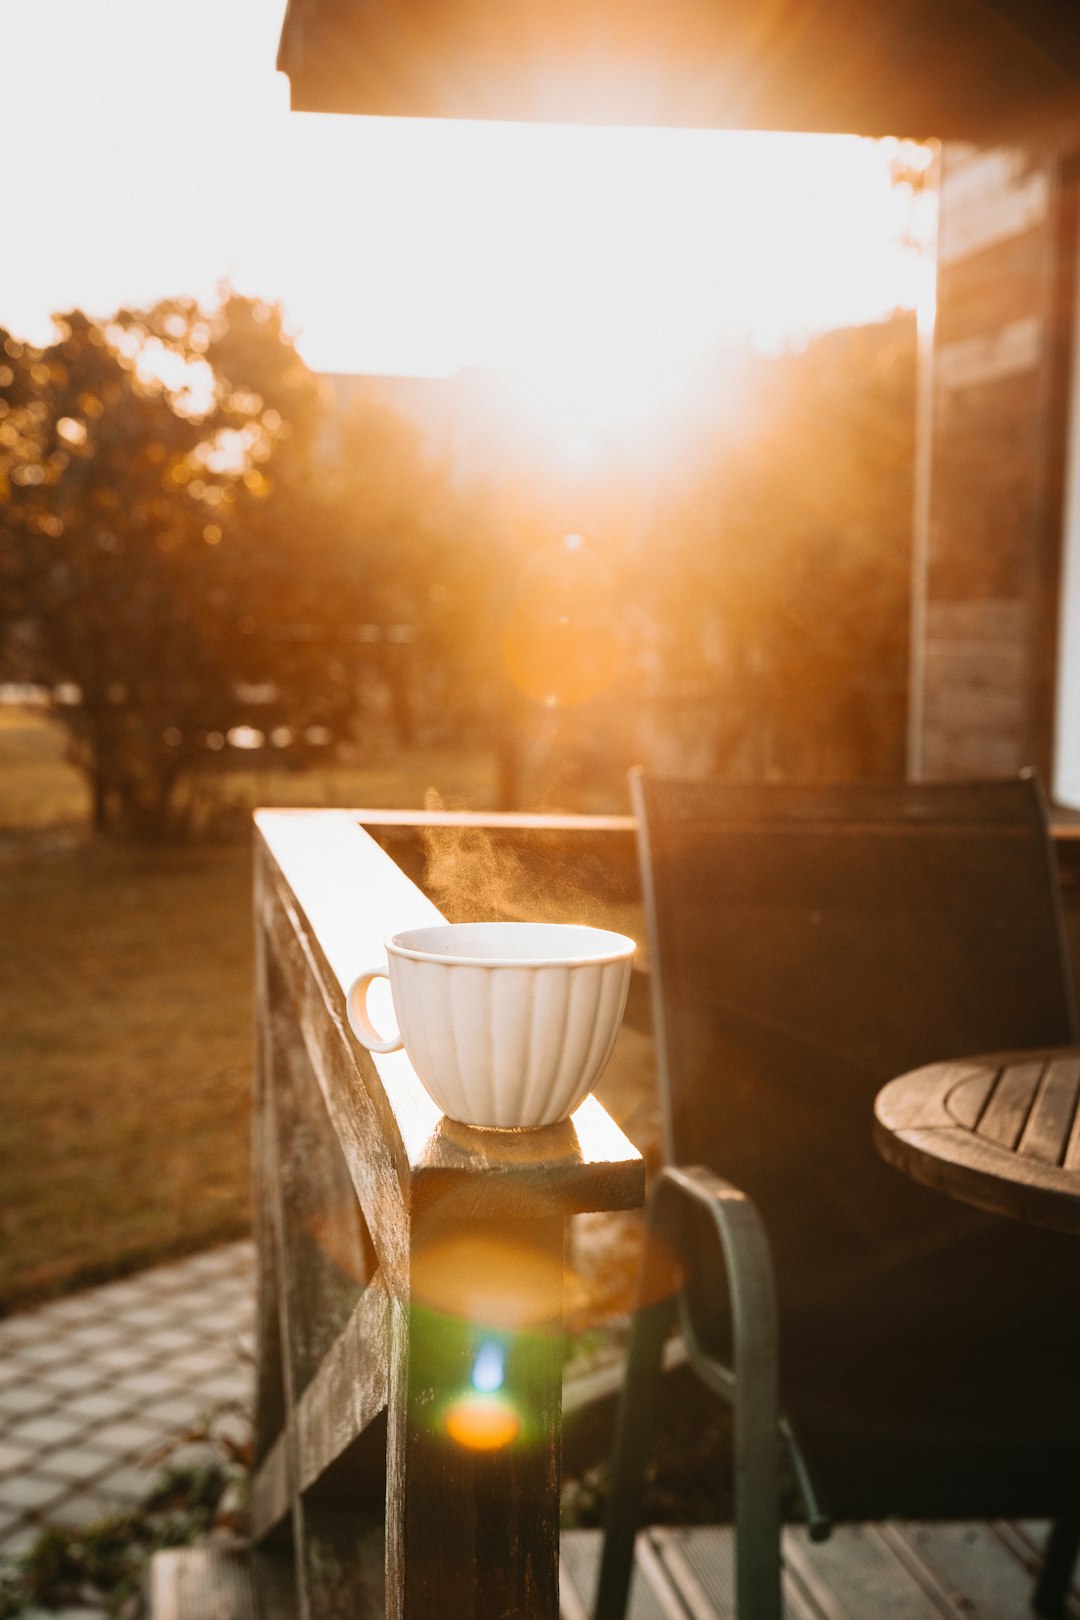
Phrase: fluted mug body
{"type": "Point", "coordinates": [506, 1024]}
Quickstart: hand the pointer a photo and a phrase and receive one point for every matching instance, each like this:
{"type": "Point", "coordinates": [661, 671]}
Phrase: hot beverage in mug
{"type": "Point", "coordinates": [507, 1024]}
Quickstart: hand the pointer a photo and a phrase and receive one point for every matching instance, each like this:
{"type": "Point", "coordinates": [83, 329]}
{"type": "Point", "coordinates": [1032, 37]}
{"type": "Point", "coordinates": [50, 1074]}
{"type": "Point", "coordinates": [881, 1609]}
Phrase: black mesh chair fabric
{"type": "Point", "coordinates": [808, 944]}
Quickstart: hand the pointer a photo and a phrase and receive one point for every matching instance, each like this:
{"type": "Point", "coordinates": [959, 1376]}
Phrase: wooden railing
{"type": "Point", "coordinates": [399, 1254]}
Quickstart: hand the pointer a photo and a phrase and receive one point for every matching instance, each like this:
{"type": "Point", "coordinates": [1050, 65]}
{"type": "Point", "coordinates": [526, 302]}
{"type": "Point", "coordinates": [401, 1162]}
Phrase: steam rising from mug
{"type": "Point", "coordinates": [507, 1024]}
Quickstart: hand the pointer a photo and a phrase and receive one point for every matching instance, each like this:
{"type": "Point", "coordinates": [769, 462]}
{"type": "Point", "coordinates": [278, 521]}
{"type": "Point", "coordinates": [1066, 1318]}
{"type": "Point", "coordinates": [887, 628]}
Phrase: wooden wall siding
{"type": "Point", "coordinates": [991, 517]}
{"type": "Point", "coordinates": [388, 1239]}
{"type": "Point", "coordinates": [988, 197]}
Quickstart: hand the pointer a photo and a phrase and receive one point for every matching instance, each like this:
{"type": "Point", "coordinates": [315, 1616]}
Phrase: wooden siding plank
{"type": "Point", "coordinates": [975, 663]}
{"type": "Point", "coordinates": [973, 362]}
{"type": "Point", "coordinates": [987, 623]}
{"type": "Point", "coordinates": [950, 755]}
{"type": "Point", "coordinates": [986, 197]}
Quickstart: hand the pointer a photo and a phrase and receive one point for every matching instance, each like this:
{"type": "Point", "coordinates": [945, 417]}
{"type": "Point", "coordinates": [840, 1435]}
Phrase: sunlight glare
{"type": "Point", "coordinates": [482, 1422]}
{"type": "Point", "coordinates": [595, 268]}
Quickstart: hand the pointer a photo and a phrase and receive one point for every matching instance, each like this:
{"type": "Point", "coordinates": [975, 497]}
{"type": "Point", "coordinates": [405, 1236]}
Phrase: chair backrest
{"type": "Point", "coordinates": [807, 944]}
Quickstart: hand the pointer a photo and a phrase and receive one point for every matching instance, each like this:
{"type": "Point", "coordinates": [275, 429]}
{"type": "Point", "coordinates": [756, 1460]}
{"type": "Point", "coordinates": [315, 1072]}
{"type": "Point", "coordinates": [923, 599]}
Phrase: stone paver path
{"type": "Point", "coordinates": [93, 1387]}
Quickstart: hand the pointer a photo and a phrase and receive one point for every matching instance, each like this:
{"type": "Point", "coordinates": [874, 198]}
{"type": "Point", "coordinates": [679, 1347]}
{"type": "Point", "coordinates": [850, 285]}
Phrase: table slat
{"type": "Point", "coordinates": [1010, 1103]}
{"type": "Point", "coordinates": [967, 1099]}
{"type": "Point", "coordinates": [1047, 1131]}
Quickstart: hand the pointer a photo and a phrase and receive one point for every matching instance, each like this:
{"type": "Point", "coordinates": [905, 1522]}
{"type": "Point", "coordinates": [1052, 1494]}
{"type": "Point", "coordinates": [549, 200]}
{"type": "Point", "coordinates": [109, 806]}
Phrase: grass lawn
{"type": "Point", "coordinates": [125, 1016]}
{"type": "Point", "coordinates": [125, 1032]}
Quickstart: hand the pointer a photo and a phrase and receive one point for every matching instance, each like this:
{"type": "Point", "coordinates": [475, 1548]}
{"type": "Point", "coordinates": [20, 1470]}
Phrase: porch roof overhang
{"type": "Point", "coordinates": [955, 69]}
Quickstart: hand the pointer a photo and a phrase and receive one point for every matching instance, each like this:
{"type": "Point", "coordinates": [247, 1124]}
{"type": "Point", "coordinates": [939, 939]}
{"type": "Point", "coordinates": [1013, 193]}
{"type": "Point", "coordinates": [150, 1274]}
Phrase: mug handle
{"type": "Point", "coordinates": [359, 1022]}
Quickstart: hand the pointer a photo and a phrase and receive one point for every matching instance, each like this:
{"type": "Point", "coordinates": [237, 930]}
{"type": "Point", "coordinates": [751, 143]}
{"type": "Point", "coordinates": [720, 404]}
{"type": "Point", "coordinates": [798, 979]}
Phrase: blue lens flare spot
{"type": "Point", "coordinates": [489, 1368]}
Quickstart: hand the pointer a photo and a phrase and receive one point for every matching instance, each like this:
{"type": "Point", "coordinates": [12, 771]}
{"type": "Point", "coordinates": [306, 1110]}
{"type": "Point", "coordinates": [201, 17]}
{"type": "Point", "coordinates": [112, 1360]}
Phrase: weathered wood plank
{"type": "Point", "coordinates": [922, 1100]}
{"type": "Point", "coordinates": [270, 1501]}
{"type": "Point", "coordinates": [332, 1539]}
{"type": "Point", "coordinates": [970, 1559]}
{"type": "Point", "coordinates": [363, 1120]}
{"type": "Point", "coordinates": [349, 1389]}
{"type": "Point", "coordinates": [1071, 1160]}
{"type": "Point", "coordinates": [195, 1583]}
{"type": "Point", "coordinates": [489, 820]}
{"type": "Point", "coordinates": [269, 1389]}
{"type": "Point", "coordinates": [1005, 1115]}
{"type": "Point", "coordinates": [967, 1099]}
{"type": "Point", "coordinates": [480, 1522]}
{"type": "Point", "coordinates": [988, 623]}
{"type": "Point", "coordinates": [323, 1256]}
{"type": "Point", "coordinates": [863, 1574]}
{"type": "Point", "coordinates": [984, 1174]}
{"type": "Point", "coordinates": [342, 1565]}
{"type": "Point", "coordinates": [1047, 1131]}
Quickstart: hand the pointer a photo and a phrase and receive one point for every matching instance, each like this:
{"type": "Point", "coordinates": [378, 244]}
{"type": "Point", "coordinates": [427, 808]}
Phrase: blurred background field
{"type": "Point", "coordinates": [125, 1013]}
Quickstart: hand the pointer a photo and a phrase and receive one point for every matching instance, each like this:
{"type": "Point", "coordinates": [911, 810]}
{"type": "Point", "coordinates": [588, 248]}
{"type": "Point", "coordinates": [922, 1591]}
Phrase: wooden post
{"type": "Point", "coordinates": [482, 1523]}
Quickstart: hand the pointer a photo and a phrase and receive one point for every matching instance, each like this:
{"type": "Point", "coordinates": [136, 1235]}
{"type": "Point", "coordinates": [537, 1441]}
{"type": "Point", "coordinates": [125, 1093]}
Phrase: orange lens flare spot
{"type": "Point", "coordinates": [482, 1422]}
{"type": "Point", "coordinates": [560, 643]}
{"type": "Point", "coordinates": [500, 1283]}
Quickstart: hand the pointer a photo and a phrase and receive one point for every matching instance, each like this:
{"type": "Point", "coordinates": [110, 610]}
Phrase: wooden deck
{"type": "Point", "coordinates": [887, 1571]}
{"type": "Point", "coordinates": [864, 1572]}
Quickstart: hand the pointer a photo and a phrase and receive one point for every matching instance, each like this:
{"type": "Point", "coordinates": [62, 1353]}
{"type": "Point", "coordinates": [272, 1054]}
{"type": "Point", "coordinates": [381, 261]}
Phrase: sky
{"type": "Point", "coordinates": [150, 152]}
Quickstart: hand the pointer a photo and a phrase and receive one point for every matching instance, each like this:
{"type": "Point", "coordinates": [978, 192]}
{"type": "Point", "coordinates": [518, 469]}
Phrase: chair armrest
{"type": "Point", "coordinates": [753, 1301]}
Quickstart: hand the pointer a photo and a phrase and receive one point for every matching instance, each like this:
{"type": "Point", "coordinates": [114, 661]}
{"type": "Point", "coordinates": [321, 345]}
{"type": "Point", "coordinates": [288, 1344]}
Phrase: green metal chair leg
{"type": "Point", "coordinates": [752, 1385]}
{"type": "Point", "coordinates": [635, 1426]}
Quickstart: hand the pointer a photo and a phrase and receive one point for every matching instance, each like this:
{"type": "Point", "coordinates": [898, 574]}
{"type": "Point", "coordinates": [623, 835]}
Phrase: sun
{"type": "Point", "coordinates": [597, 271]}
{"type": "Point", "coordinates": [589, 251]}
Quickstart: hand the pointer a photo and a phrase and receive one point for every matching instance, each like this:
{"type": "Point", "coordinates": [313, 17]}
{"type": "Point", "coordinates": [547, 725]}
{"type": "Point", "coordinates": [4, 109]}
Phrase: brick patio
{"type": "Point", "coordinates": [94, 1388]}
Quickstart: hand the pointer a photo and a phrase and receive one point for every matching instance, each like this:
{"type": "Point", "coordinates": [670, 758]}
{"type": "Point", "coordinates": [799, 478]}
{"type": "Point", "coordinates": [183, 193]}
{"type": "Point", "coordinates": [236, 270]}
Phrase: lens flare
{"type": "Point", "coordinates": [482, 1419]}
{"type": "Point", "coordinates": [489, 1367]}
{"type": "Point", "coordinates": [560, 642]}
{"type": "Point", "coordinates": [482, 1422]}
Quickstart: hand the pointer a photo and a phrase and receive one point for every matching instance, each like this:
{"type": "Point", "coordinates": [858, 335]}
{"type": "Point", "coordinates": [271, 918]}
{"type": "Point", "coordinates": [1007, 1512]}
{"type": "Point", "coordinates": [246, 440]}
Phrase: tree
{"type": "Point", "coordinates": [138, 572]}
{"type": "Point", "coordinates": [783, 583]}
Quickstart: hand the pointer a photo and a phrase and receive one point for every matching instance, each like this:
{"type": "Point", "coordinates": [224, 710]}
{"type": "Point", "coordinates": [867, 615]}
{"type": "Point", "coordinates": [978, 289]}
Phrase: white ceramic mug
{"type": "Point", "coordinates": [507, 1024]}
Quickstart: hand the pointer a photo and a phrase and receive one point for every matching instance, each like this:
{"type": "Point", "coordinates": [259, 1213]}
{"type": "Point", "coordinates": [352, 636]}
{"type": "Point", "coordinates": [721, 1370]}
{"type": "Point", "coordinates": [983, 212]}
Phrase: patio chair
{"type": "Point", "coordinates": [807, 944]}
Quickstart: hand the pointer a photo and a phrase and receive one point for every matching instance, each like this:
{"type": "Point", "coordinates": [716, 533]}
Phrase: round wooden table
{"type": "Point", "coordinates": [1000, 1131]}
